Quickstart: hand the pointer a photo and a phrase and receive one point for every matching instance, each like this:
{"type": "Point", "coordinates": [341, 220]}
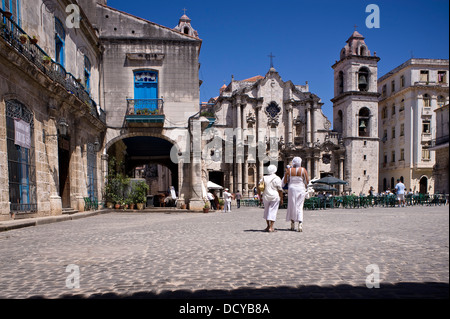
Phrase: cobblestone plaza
{"type": "Point", "coordinates": [227, 255]}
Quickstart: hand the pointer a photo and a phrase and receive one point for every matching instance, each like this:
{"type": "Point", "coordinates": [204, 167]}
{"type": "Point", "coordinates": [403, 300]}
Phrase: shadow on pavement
{"type": "Point", "coordinates": [427, 290]}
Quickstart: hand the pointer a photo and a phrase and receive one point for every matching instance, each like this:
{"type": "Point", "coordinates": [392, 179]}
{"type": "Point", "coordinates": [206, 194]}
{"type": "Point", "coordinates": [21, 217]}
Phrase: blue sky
{"type": "Point", "coordinates": [304, 36]}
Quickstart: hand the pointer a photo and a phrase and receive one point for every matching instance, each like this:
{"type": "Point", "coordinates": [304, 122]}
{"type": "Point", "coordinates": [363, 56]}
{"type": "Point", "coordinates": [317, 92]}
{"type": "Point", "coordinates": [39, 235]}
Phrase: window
{"type": "Point", "coordinates": [21, 167]}
{"type": "Point", "coordinates": [363, 122]}
{"type": "Point", "coordinates": [92, 171]}
{"type": "Point", "coordinates": [393, 109]}
{"type": "Point", "coordinates": [363, 79]}
{"type": "Point", "coordinates": [87, 74]}
{"type": "Point", "coordinates": [393, 86]}
{"type": "Point", "coordinates": [426, 126]}
{"type": "Point", "coordinates": [385, 158]}
{"type": "Point", "coordinates": [393, 132]}
{"type": "Point", "coordinates": [424, 76]}
{"type": "Point", "coordinates": [402, 129]}
{"type": "Point", "coordinates": [365, 157]}
{"type": "Point", "coordinates": [60, 38]}
{"type": "Point", "coordinates": [341, 82]}
{"type": "Point", "coordinates": [384, 113]}
{"type": "Point", "coordinates": [393, 156]}
{"type": "Point", "coordinates": [441, 101]}
{"type": "Point", "coordinates": [384, 135]}
{"type": "Point", "coordinates": [402, 154]}
{"type": "Point", "coordinates": [12, 6]}
{"type": "Point", "coordinates": [425, 154]}
{"type": "Point", "coordinates": [402, 106]}
{"type": "Point", "coordinates": [402, 81]}
{"type": "Point", "coordinates": [442, 77]}
{"type": "Point", "coordinates": [383, 91]}
{"type": "Point", "coordinates": [426, 100]}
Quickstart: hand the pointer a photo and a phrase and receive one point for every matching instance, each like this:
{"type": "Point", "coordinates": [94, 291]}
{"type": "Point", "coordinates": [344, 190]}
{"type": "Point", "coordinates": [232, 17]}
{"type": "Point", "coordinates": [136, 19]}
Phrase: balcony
{"type": "Point", "coordinates": [23, 44]}
{"type": "Point", "coordinates": [145, 112]}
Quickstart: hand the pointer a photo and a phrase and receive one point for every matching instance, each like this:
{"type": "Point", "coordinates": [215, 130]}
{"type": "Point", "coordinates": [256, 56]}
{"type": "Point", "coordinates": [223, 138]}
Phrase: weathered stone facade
{"type": "Point", "coordinates": [355, 108]}
{"type": "Point", "coordinates": [270, 121]}
{"type": "Point", "coordinates": [48, 98]}
{"type": "Point", "coordinates": [440, 146]}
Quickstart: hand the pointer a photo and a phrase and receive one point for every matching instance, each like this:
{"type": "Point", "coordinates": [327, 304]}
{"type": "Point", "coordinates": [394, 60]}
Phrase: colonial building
{"type": "Point", "coordinates": [51, 121]}
{"type": "Point", "coordinates": [267, 120]}
{"type": "Point", "coordinates": [151, 95]}
{"type": "Point", "coordinates": [440, 146]}
{"type": "Point", "coordinates": [409, 95]}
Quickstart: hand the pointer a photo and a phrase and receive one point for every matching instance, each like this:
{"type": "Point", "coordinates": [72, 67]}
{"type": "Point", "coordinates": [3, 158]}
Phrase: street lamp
{"type": "Point", "coordinates": [62, 126]}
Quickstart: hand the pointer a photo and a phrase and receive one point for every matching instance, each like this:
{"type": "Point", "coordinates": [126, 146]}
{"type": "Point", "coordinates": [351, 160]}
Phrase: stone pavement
{"type": "Point", "coordinates": [227, 255]}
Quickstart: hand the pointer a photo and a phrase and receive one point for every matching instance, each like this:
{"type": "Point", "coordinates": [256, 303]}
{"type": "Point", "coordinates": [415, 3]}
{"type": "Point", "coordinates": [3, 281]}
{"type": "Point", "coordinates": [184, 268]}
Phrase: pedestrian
{"type": "Point", "coordinates": [216, 200]}
{"type": "Point", "coordinates": [272, 197]}
{"type": "Point", "coordinates": [238, 197]}
{"type": "Point", "coordinates": [211, 200]}
{"type": "Point", "coordinates": [298, 179]}
{"type": "Point", "coordinates": [400, 190]}
{"type": "Point", "coordinates": [227, 201]}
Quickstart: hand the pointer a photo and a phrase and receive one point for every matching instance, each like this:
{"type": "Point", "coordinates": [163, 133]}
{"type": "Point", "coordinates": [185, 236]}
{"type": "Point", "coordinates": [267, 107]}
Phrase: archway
{"type": "Point", "coordinates": [423, 185]}
{"type": "Point", "coordinates": [146, 157]}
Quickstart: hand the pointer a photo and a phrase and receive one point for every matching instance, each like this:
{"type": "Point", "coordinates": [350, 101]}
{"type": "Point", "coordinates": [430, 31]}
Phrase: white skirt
{"type": "Point", "coordinates": [271, 210]}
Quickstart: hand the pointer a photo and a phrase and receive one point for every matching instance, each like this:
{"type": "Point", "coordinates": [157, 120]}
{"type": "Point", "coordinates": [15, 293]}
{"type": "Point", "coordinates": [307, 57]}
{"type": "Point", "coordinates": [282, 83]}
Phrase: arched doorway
{"type": "Point", "coordinates": [423, 185]}
{"type": "Point", "coordinates": [148, 158]}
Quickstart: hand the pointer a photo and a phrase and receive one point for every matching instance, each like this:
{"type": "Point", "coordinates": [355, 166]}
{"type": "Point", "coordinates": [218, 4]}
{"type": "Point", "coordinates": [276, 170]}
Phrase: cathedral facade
{"type": "Point", "coordinates": [282, 120]}
{"type": "Point", "coordinates": [273, 121]}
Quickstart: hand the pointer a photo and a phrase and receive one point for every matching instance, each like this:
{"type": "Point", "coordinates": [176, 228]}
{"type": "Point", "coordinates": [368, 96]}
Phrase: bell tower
{"type": "Point", "coordinates": [355, 113]}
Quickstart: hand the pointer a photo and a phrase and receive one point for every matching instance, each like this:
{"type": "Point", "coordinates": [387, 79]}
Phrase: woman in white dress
{"type": "Point", "coordinates": [272, 195]}
{"type": "Point", "coordinates": [297, 177]}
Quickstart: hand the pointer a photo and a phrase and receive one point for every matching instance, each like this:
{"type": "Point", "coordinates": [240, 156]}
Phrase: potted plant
{"type": "Point", "coordinates": [7, 14]}
{"type": "Point", "coordinates": [221, 204]}
{"type": "Point", "coordinates": [139, 192]}
{"type": "Point", "coordinates": [206, 208]}
{"type": "Point", "coordinates": [46, 59]}
{"type": "Point", "coordinates": [23, 38]}
{"type": "Point", "coordinates": [34, 40]}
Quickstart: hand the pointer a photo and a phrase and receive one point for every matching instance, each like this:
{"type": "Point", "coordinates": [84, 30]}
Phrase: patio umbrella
{"type": "Point", "coordinates": [323, 188]}
{"type": "Point", "coordinates": [212, 185]}
{"type": "Point", "coordinates": [330, 180]}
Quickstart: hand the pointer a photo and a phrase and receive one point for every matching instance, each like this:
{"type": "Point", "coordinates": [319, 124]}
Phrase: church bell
{"type": "Point", "coordinates": [362, 79]}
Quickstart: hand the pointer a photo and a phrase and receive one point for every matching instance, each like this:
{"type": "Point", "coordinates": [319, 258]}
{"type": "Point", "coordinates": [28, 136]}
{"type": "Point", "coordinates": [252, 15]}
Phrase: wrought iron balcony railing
{"type": "Point", "coordinates": [145, 111]}
{"type": "Point", "coordinates": [145, 107]}
{"type": "Point", "coordinates": [22, 43]}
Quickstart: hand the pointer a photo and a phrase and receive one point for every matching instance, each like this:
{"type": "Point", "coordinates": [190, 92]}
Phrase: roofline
{"type": "Point", "coordinates": [148, 21]}
{"type": "Point", "coordinates": [410, 62]}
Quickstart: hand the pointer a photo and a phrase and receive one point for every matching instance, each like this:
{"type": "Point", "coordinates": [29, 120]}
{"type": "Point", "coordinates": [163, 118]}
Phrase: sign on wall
{"type": "Point", "coordinates": [22, 133]}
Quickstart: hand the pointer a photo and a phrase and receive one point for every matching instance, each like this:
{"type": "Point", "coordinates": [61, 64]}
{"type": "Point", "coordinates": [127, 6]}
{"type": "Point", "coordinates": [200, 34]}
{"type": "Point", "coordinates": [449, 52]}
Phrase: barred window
{"type": "Point", "coordinates": [92, 171]}
{"type": "Point", "coordinates": [21, 159]}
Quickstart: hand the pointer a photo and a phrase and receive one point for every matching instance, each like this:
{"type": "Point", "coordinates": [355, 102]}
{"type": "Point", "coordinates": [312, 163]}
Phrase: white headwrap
{"type": "Point", "coordinates": [297, 162]}
{"type": "Point", "coordinates": [272, 169]}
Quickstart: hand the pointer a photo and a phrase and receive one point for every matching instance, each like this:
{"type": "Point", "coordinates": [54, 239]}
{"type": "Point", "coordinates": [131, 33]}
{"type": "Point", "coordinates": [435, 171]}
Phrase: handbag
{"type": "Point", "coordinates": [261, 186]}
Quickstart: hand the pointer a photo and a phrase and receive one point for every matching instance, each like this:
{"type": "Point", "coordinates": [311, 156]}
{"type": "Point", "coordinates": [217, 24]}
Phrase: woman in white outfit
{"type": "Point", "coordinates": [272, 195]}
{"type": "Point", "coordinates": [298, 178]}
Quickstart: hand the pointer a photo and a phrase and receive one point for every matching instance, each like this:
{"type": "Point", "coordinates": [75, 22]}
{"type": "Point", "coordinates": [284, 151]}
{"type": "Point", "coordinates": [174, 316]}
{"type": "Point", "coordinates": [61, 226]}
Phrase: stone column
{"type": "Point", "coordinates": [308, 126]}
{"type": "Point", "coordinates": [239, 149]}
{"type": "Point", "coordinates": [341, 172]}
{"type": "Point", "coordinates": [313, 123]}
{"type": "Point", "coordinates": [290, 138]}
{"type": "Point", "coordinates": [51, 147]}
{"type": "Point", "coordinates": [196, 201]}
{"type": "Point", "coordinates": [316, 166]}
{"type": "Point", "coordinates": [261, 151]}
